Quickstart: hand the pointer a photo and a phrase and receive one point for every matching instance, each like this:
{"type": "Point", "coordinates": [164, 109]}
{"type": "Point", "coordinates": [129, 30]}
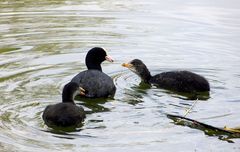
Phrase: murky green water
{"type": "Point", "coordinates": [43, 45]}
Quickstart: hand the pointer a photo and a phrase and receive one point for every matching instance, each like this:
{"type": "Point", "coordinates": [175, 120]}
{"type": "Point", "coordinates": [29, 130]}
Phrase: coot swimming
{"type": "Point", "coordinates": [94, 81]}
{"type": "Point", "coordinates": [180, 81]}
{"type": "Point", "coordinates": [65, 114]}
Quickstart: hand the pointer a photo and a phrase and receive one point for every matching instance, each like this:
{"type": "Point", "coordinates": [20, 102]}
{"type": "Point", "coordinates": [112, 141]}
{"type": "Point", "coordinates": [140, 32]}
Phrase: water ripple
{"type": "Point", "coordinates": [43, 45]}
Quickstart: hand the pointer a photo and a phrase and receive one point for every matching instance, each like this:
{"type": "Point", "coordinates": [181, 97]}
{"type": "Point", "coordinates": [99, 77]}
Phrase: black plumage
{"type": "Point", "coordinates": [94, 81]}
{"type": "Point", "coordinates": [180, 81]}
{"type": "Point", "coordinates": [65, 114]}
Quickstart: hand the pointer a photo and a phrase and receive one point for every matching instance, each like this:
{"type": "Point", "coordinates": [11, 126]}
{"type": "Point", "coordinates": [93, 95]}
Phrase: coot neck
{"type": "Point", "coordinates": [92, 65]}
{"type": "Point", "coordinates": [68, 96]}
{"type": "Point", "coordinates": [145, 75]}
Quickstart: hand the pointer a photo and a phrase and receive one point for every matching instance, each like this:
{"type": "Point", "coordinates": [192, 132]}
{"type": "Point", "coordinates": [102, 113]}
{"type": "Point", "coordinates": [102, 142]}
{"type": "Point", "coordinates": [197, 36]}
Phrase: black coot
{"type": "Point", "coordinates": [180, 81]}
{"type": "Point", "coordinates": [94, 81]}
{"type": "Point", "coordinates": [65, 114]}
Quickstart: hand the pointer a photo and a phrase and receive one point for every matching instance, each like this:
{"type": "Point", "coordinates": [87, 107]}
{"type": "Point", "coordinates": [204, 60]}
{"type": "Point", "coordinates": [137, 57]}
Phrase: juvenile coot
{"type": "Point", "coordinates": [94, 81]}
{"type": "Point", "coordinates": [65, 114]}
{"type": "Point", "coordinates": [180, 81]}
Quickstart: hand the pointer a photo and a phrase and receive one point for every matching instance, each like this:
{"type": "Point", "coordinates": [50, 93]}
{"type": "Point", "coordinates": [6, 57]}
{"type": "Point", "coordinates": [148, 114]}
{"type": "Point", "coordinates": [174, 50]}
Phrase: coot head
{"type": "Point", "coordinates": [138, 67]}
{"type": "Point", "coordinates": [95, 57]}
{"type": "Point", "coordinates": [70, 90]}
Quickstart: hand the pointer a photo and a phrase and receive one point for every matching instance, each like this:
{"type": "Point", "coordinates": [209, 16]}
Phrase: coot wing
{"type": "Point", "coordinates": [63, 114]}
{"type": "Point", "coordinates": [181, 81]}
{"type": "Point", "coordinates": [96, 83]}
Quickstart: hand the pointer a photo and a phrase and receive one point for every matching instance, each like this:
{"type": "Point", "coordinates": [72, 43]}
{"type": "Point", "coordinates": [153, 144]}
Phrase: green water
{"type": "Point", "coordinates": [43, 45]}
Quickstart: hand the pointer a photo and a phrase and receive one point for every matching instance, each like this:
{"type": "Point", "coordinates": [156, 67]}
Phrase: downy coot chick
{"type": "Point", "coordinates": [94, 81]}
{"type": "Point", "coordinates": [180, 81]}
{"type": "Point", "coordinates": [65, 114]}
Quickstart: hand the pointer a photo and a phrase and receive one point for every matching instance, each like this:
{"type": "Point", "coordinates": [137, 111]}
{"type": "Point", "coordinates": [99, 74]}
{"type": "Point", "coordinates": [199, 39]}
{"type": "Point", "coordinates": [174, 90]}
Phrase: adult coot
{"type": "Point", "coordinates": [65, 114]}
{"type": "Point", "coordinates": [94, 81]}
{"type": "Point", "coordinates": [180, 81]}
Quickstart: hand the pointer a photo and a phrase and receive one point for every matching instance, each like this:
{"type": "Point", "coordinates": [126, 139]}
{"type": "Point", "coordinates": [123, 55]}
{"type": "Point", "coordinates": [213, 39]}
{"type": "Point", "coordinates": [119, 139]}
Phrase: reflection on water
{"type": "Point", "coordinates": [94, 105]}
{"type": "Point", "coordinates": [43, 45]}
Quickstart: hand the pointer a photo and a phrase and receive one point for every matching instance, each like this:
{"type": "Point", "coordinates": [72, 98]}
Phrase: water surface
{"type": "Point", "coordinates": [43, 45]}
